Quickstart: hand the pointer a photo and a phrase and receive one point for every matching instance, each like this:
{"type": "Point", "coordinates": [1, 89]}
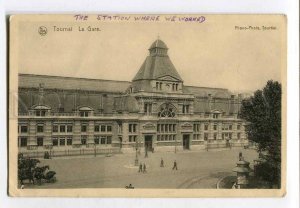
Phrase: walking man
{"type": "Point", "coordinates": [144, 168]}
{"type": "Point", "coordinates": [140, 168]}
{"type": "Point", "coordinates": [175, 165]}
{"type": "Point", "coordinates": [161, 163]}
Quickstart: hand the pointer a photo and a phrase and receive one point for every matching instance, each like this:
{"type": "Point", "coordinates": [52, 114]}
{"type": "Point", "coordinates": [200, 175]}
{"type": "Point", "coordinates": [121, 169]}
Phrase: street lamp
{"type": "Point", "coordinates": [136, 161]}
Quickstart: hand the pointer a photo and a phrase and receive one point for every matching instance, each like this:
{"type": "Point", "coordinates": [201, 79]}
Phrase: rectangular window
{"type": "Point", "coordinates": [55, 142]}
{"type": "Point", "coordinates": [40, 141]}
{"type": "Point", "coordinates": [103, 140]}
{"type": "Point", "coordinates": [23, 129]}
{"type": "Point", "coordinates": [206, 127]}
{"type": "Point", "coordinates": [55, 128]}
{"type": "Point", "coordinates": [215, 127]}
{"type": "Point", "coordinates": [69, 141]}
{"type": "Point", "coordinates": [23, 142]}
{"type": "Point", "coordinates": [96, 139]}
{"type": "Point", "coordinates": [69, 128]}
{"type": "Point", "coordinates": [83, 128]}
{"type": "Point", "coordinates": [109, 128]}
{"type": "Point", "coordinates": [62, 128]}
{"type": "Point", "coordinates": [108, 140]}
{"type": "Point", "coordinates": [62, 142]}
{"type": "Point", "coordinates": [238, 127]}
{"type": "Point", "coordinates": [239, 136]}
{"type": "Point", "coordinates": [84, 113]}
{"type": "Point", "coordinates": [230, 127]}
{"type": "Point", "coordinates": [215, 136]}
{"type": "Point", "coordinates": [119, 128]}
{"type": "Point", "coordinates": [103, 128]}
{"type": "Point", "coordinates": [158, 127]}
{"type": "Point", "coordinates": [83, 141]}
{"type": "Point", "coordinates": [132, 128]}
{"type": "Point", "coordinates": [174, 127]}
{"type": "Point", "coordinates": [148, 108]}
{"type": "Point", "coordinates": [205, 136]}
{"type": "Point", "coordinates": [40, 113]}
{"type": "Point", "coordinates": [40, 128]}
{"type": "Point", "coordinates": [96, 128]}
{"type": "Point", "coordinates": [158, 137]}
{"type": "Point", "coordinates": [185, 108]}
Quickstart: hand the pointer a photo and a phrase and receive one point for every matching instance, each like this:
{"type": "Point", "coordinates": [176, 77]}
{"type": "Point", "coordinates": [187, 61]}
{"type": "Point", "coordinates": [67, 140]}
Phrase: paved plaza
{"type": "Point", "coordinates": [195, 170]}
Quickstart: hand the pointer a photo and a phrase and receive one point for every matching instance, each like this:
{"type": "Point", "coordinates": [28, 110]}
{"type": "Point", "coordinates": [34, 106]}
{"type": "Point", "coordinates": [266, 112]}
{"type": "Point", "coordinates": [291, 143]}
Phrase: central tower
{"type": "Point", "coordinates": [157, 73]}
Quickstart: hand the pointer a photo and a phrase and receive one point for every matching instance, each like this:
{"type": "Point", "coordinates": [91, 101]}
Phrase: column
{"type": "Point", "coordinates": [76, 134]}
{"type": "Point", "coordinates": [219, 128]}
{"type": "Point", "coordinates": [48, 134]}
{"type": "Point", "coordinates": [32, 143]}
{"type": "Point", "coordinates": [90, 131]}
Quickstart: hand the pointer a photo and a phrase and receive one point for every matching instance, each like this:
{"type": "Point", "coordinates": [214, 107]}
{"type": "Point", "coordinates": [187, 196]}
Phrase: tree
{"type": "Point", "coordinates": [262, 113]}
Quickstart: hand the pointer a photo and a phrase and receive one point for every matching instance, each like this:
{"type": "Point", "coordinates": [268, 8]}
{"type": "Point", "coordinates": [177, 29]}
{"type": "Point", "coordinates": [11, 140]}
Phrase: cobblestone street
{"type": "Point", "coordinates": [195, 170]}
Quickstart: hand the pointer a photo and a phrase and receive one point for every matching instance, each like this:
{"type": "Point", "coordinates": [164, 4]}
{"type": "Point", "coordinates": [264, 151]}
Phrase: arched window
{"type": "Point", "coordinates": [167, 110]}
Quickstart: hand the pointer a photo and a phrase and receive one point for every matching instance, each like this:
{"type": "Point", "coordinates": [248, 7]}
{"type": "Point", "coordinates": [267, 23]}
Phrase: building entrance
{"type": "Point", "coordinates": [186, 141]}
{"type": "Point", "coordinates": [148, 142]}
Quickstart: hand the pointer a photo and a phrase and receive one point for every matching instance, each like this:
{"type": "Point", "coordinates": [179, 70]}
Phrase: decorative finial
{"type": "Point", "coordinates": [157, 36]}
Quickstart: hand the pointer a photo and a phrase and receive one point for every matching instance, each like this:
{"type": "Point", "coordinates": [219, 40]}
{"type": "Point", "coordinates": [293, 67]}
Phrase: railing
{"type": "Point", "coordinates": [71, 152]}
{"type": "Point", "coordinates": [52, 114]}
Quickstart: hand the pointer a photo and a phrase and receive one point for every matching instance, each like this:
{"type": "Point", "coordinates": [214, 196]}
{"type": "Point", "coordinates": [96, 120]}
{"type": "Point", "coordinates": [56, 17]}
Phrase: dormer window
{"type": "Point", "coordinates": [84, 111]}
{"type": "Point", "coordinates": [216, 114]}
{"type": "Point", "coordinates": [41, 110]}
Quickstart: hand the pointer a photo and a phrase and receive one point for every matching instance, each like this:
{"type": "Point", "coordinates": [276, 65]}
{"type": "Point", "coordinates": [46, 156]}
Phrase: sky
{"type": "Point", "coordinates": [208, 54]}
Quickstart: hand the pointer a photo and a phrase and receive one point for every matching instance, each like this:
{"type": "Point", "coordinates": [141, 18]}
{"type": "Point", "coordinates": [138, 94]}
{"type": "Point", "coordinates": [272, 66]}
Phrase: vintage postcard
{"type": "Point", "coordinates": [147, 105]}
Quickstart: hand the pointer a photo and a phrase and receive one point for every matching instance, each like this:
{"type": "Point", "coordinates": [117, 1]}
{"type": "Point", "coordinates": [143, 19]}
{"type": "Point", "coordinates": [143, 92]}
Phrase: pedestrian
{"type": "Point", "coordinates": [140, 167]}
{"type": "Point", "coordinates": [161, 163]}
{"type": "Point", "coordinates": [22, 186]}
{"type": "Point", "coordinates": [175, 165]}
{"type": "Point", "coordinates": [144, 168]}
{"type": "Point", "coordinates": [241, 156]}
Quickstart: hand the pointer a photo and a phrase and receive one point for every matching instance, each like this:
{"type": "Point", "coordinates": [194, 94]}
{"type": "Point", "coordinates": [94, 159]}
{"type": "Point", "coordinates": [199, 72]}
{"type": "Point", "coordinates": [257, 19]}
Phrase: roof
{"type": "Point", "coordinates": [157, 64]}
{"type": "Point", "coordinates": [126, 103]}
{"type": "Point", "coordinates": [72, 83]}
{"type": "Point", "coordinates": [155, 67]}
{"type": "Point", "coordinates": [205, 91]}
{"type": "Point", "coordinates": [158, 44]}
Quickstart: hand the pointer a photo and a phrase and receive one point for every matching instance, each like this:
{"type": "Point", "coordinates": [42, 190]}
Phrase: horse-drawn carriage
{"type": "Point", "coordinates": [28, 170]}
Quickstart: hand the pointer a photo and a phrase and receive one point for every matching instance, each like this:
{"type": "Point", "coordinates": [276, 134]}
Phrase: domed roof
{"type": "Point", "coordinates": [158, 44]}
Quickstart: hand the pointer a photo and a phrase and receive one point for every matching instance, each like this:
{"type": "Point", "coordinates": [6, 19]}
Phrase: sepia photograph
{"type": "Point", "coordinates": [147, 105]}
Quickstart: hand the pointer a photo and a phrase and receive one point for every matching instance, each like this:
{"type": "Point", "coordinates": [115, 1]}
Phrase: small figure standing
{"type": "Point", "coordinates": [162, 163]}
{"type": "Point", "coordinates": [175, 165]}
{"type": "Point", "coordinates": [140, 168]}
{"type": "Point", "coordinates": [144, 168]}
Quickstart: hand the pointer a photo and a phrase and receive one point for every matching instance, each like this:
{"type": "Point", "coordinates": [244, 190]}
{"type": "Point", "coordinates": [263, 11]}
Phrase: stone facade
{"type": "Point", "coordinates": [155, 111]}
